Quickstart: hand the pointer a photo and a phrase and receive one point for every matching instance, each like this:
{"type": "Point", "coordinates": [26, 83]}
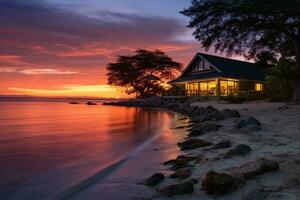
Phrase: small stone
{"type": "Point", "coordinates": [179, 127]}
{"type": "Point", "coordinates": [177, 189]}
{"type": "Point", "coordinates": [193, 144]}
{"type": "Point", "coordinates": [180, 160]}
{"type": "Point", "coordinates": [154, 179]}
{"type": "Point", "coordinates": [181, 174]}
{"type": "Point", "coordinates": [227, 113]}
{"type": "Point", "coordinates": [204, 127]}
{"type": "Point", "coordinates": [255, 168]}
{"type": "Point", "coordinates": [217, 183]}
{"type": "Point", "coordinates": [90, 103]}
{"type": "Point", "coordinates": [248, 121]}
{"type": "Point", "coordinates": [222, 145]}
{"type": "Point", "coordinates": [239, 150]}
{"type": "Point", "coordinates": [193, 181]}
{"type": "Point", "coordinates": [194, 133]}
{"type": "Point", "coordinates": [256, 194]}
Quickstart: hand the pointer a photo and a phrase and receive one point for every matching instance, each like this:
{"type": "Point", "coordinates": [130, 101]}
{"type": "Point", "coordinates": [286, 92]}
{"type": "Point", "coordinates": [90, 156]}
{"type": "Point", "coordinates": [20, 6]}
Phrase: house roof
{"type": "Point", "coordinates": [225, 67]}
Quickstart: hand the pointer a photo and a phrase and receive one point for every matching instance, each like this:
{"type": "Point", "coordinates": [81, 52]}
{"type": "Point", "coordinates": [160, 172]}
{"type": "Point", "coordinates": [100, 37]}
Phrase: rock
{"type": "Point", "coordinates": [249, 121]}
{"type": "Point", "coordinates": [206, 114]}
{"type": "Point", "coordinates": [73, 102]}
{"type": "Point", "coordinates": [182, 174]}
{"type": "Point", "coordinates": [177, 189]}
{"type": "Point", "coordinates": [252, 169]}
{"type": "Point", "coordinates": [154, 179]}
{"type": "Point", "coordinates": [222, 145]}
{"type": "Point", "coordinates": [198, 112]}
{"type": "Point", "coordinates": [256, 194]}
{"type": "Point", "coordinates": [227, 113]}
{"type": "Point", "coordinates": [90, 103]}
{"type": "Point", "coordinates": [209, 127]}
{"type": "Point", "coordinates": [213, 115]}
{"type": "Point", "coordinates": [183, 118]}
{"type": "Point", "coordinates": [179, 166]}
{"type": "Point", "coordinates": [181, 159]}
{"type": "Point", "coordinates": [217, 183]}
{"type": "Point", "coordinates": [195, 132]}
{"type": "Point", "coordinates": [193, 144]}
{"type": "Point", "coordinates": [239, 150]}
{"type": "Point", "coordinates": [203, 127]}
{"type": "Point", "coordinates": [180, 162]}
{"type": "Point", "coordinates": [179, 127]}
{"type": "Point", "coordinates": [193, 181]}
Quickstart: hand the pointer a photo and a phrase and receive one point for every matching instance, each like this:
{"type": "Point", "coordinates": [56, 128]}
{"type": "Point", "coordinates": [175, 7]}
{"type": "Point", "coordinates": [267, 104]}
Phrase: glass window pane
{"type": "Point", "coordinates": [223, 87]}
{"type": "Point", "coordinates": [206, 66]}
{"type": "Point", "coordinates": [211, 88]}
{"type": "Point", "coordinates": [258, 87]}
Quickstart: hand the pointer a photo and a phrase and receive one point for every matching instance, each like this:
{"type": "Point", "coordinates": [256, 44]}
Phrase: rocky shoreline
{"type": "Point", "coordinates": [206, 121]}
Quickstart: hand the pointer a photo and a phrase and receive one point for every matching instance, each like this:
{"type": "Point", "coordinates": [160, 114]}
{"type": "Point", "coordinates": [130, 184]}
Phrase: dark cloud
{"type": "Point", "coordinates": [42, 33]}
{"type": "Point", "coordinates": [35, 36]}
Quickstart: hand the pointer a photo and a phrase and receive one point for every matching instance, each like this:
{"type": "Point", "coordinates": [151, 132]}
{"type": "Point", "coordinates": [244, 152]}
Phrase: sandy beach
{"type": "Point", "coordinates": [278, 140]}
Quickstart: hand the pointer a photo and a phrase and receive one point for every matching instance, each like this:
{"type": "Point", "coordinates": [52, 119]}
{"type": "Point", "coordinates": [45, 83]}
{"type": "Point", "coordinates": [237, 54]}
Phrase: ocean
{"type": "Point", "coordinates": [55, 150]}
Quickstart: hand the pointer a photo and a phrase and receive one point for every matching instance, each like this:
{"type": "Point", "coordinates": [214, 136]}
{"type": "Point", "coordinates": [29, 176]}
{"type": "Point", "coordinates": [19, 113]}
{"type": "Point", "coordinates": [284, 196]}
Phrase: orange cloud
{"type": "Point", "coordinates": [46, 71]}
{"type": "Point", "coordinates": [74, 91]}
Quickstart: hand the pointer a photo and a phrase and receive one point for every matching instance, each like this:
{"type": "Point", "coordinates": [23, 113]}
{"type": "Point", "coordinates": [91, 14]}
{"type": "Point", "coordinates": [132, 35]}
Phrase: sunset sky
{"type": "Point", "coordinates": [61, 48]}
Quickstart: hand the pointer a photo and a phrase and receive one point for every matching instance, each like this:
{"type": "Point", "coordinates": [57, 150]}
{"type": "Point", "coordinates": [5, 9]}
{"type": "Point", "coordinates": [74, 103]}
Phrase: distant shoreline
{"type": "Point", "coordinates": [54, 99]}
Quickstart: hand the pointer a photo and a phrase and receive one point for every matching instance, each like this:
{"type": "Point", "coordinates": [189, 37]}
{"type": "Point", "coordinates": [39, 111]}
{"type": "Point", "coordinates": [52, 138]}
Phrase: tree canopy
{"type": "Point", "coordinates": [143, 72]}
{"type": "Point", "coordinates": [253, 28]}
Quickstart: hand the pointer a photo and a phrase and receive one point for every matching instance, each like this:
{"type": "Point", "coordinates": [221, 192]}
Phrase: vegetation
{"type": "Point", "coordinates": [142, 73]}
{"type": "Point", "coordinates": [281, 79]}
{"type": "Point", "coordinates": [252, 28]}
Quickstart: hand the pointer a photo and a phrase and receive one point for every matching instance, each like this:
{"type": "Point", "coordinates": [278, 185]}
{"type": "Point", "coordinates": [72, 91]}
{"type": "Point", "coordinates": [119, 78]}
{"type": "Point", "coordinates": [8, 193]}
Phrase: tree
{"type": "Point", "coordinates": [281, 79]}
{"type": "Point", "coordinates": [143, 72]}
{"type": "Point", "coordinates": [248, 27]}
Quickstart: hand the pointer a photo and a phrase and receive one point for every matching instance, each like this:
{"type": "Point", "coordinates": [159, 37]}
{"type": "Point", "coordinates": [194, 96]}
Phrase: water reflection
{"type": "Point", "coordinates": [40, 141]}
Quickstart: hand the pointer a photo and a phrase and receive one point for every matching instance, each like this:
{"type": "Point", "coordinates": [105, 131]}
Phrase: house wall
{"type": "Point", "coordinates": [246, 85]}
{"type": "Point", "coordinates": [234, 87]}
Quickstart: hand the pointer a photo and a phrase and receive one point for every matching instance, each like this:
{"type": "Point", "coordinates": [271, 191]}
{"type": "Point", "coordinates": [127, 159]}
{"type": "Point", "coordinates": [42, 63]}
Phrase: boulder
{"type": "Point", "coordinates": [195, 132]}
{"type": "Point", "coordinates": [252, 169]}
{"type": "Point", "coordinates": [193, 181]}
{"type": "Point", "coordinates": [256, 194]}
{"type": "Point", "coordinates": [193, 144]}
{"type": "Point", "coordinates": [204, 127]}
{"type": "Point", "coordinates": [181, 159]}
{"type": "Point", "coordinates": [227, 113]}
{"type": "Point", "coordinates": [90, 103]}
{"type": "Point", "coordinates": [180, 165]}
{"type": "Point", "coordinates": [206, 114]}
{"type": "Point", "coordinates": [198, 112]}
{"type": "Point", "coordinates": [212, 115]}
{"type": "Point", "coordinates": [250, 123]}
{"type": "Point", "coordinates": [154, 179]}
{"type": "Point", "coordinates": [177, 189]}
{"type": "Point", "coordinates": [217, 183]}
{"type": "Point", "coordinates": [222, 145]}
{"type": "Point", "coordinates": [73, 102]}
{"type": "Point", "coordinates": [239, 150]}
{"type": "Point", "coordinates": [182, 173]}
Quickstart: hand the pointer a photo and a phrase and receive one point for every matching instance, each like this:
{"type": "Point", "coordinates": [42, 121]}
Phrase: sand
{"type": "Point", "coordinates": [279, 139]}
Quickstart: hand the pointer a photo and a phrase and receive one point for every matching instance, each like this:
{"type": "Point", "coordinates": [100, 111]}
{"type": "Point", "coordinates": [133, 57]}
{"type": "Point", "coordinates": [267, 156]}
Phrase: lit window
{"type": "Point", "coordinates": [258, 87]}
{"type": "Point", "coordinates": [202, 66]}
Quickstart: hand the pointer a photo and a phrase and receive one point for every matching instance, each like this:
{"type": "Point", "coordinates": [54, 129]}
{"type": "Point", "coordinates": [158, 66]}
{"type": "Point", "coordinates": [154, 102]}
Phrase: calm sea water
{"type": "Point", "coordinates": [54, 150]}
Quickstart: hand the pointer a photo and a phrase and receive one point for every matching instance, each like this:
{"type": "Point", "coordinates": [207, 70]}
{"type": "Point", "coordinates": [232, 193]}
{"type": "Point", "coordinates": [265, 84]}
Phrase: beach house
{"type": "Point", "coordinates": [216, 77]}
